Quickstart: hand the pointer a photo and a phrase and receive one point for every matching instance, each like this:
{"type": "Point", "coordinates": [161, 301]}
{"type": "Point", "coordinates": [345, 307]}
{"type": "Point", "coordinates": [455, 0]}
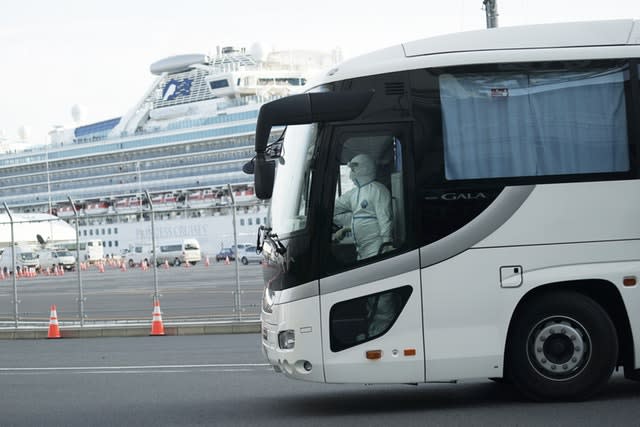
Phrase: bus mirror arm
{"type": "Point", "coordinates": [269, 242]}
{"type": "Point", "coordinates": [260, 238]}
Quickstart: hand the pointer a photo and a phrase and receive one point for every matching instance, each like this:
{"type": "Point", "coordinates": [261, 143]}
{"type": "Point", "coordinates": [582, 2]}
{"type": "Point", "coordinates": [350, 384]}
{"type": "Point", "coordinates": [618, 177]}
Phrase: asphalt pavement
{"type": "Point", "coordinates": [223, 380]}
{"type": "Point", "coordinates": [116, 298]}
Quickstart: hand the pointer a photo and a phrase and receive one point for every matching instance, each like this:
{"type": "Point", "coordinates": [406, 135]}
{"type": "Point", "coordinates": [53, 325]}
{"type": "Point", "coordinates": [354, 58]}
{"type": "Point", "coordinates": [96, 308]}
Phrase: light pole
{"type": "Point", "coordinates": [491, 10]}
{"type": "Point", "coordinates": [46, 161]}
{"type": "Point", "coordinates": [139, 186]}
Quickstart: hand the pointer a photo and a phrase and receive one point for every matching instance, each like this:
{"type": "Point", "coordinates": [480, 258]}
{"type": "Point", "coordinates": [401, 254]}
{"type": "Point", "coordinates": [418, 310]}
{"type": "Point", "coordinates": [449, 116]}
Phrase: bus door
{"type": "Point", "coordinates": [370, 284]}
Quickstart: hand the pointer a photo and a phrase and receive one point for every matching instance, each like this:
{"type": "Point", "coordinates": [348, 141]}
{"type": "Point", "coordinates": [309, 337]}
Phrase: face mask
{"type": "Point", "coordinates": [353, 177]}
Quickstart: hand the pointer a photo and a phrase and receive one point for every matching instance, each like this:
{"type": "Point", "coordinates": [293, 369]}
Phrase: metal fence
{"type": "Point", "coordinates": [120, 289]}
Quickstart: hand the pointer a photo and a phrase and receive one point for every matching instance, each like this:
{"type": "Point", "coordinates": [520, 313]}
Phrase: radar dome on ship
{"type": "Point", "coordinates": [178, 63]}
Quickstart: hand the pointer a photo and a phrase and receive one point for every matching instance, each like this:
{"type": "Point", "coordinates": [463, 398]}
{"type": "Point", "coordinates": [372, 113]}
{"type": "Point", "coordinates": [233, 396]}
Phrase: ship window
{"type": "Point", "coordinates": [218, 84]}
{"type": "Point", "coordinates": [115, 230]}
{"type": "Point", "coordinates": [242, 222]}
{"type": "Point", "coordinates": [91, 232]}
{"type": "Point", "coordinates": [108, 231]}
{"type": "Point", "coordinates": [103, 232]}
{"type": "Point", "coordinates": [257, 221]}
{"type": "Point", "coordinates": [250, 221]}
{"type": "Point", "coordinates": [109, 243]}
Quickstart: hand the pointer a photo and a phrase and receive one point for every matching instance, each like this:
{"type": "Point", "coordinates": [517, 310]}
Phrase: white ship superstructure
{"type": "Point", "coordinates": [184, 142]}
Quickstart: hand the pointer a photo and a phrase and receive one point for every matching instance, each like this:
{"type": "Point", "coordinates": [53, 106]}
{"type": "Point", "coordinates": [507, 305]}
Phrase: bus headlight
{"type": "Point", "coordinates": [287, 339]}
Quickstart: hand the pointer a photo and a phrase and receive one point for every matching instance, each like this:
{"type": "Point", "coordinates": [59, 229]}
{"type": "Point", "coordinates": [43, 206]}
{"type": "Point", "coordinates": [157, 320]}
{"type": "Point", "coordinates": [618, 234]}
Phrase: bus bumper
{"type": "Point", "coordinates": [294, 346]}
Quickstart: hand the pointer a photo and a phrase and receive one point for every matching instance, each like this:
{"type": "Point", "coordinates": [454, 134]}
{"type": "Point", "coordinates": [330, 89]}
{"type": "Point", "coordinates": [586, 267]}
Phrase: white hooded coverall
{"type": "Point", "coordinates": [370, 206]}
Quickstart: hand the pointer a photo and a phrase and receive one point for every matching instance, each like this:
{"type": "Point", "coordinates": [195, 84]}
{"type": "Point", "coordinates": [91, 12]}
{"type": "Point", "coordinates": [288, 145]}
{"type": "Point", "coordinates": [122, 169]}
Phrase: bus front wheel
{"type": "Point", "coordinates": [562, 346]}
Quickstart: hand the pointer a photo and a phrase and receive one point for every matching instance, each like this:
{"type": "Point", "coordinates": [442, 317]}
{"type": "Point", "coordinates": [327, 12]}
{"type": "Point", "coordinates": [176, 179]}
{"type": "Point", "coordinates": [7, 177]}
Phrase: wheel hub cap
{"type": "Point", "coordinates": [559, 348]}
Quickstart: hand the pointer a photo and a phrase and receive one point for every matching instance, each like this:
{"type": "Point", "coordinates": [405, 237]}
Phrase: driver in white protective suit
{"type": "Point", "coordinates": [369, 204]}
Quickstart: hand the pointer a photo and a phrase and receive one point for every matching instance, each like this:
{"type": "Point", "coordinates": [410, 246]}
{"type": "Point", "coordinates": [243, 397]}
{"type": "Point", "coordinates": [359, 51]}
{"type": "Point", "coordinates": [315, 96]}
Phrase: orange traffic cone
{"type": "Point", "coordinates": [226, 261]}
{"type": "Point", "coordinates": [166, 264]}
{"type": "Point", "coordinates": [206, 261]}
{"type": "Point", "coordinates": [54, 330]}
{"type": "Point", "coordinates": [123, 267]}
{"type": "Point", "coordinates": [157, 328]}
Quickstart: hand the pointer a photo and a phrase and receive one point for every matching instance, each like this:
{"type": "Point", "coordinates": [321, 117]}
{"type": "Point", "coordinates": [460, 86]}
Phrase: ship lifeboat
{"type": "Point", "coordinates": [201, 198]}
{"type": "Point", "coordinates": [170, 201]}
{"type": "Point", "coordinates": [130, 205]}
{"type": "Point", "coordinates": [65, 211]}
{"type": "Point", "coordinates": [164, 202]}
{"type": "Point", "coordinates": [96, 208]}
{"type": "Point", "coordinates": [245, 195]}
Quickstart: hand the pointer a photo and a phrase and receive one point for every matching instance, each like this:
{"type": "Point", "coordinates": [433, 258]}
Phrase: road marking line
{"type": "Point", "coordinates": [140, 367]}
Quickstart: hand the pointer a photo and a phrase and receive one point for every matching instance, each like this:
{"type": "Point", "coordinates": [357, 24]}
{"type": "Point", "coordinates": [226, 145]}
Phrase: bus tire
{"type": "Point", "coordinates": [561, 346]}
{"type": "Point", "coordinates": [176, 262]}
{"type": "Point", "coordinates": [244, 261]}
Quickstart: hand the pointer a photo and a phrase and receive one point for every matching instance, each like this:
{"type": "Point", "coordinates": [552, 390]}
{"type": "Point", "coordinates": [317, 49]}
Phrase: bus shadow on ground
{"type": "Point", "coordinates": [385, 399]}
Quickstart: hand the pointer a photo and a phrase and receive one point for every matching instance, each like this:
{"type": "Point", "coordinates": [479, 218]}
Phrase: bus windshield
{"type": "Point", "coordinates": [290, 202]}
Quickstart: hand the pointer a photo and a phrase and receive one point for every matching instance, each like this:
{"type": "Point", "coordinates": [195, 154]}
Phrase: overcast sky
{"type": "Point", "coordinates": [97, 54]}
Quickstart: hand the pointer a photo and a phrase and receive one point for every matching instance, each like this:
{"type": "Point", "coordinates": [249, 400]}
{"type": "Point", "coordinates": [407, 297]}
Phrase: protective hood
{"type": "Point", "coordinates": [363, 169]}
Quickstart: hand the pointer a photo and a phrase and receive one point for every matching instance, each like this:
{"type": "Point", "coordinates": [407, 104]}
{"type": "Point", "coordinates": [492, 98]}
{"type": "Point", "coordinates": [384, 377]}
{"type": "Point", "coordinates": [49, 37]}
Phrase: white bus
{"type": "Point", "coordinates": [508, 235]}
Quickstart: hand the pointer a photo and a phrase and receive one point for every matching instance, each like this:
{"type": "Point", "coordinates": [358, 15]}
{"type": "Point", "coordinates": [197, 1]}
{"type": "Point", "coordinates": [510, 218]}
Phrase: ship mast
{"type": "Point", "coordinates": [491, 10]}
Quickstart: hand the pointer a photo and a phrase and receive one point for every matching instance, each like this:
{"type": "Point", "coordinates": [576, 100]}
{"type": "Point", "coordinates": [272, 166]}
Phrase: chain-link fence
{"type": "Point", "coordinates": [104, 263]}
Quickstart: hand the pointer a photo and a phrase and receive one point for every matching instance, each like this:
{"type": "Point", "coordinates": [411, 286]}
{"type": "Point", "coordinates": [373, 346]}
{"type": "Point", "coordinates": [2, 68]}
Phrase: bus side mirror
{"type": "Point", "coordinates": [264, 175]}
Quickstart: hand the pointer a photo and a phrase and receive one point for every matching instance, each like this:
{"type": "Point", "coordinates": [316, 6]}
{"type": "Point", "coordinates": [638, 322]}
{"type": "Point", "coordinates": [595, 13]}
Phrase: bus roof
{"type": "Point", "coordinates": [541, 36]}
{"type": "Point", "coordinates": [516, 44]}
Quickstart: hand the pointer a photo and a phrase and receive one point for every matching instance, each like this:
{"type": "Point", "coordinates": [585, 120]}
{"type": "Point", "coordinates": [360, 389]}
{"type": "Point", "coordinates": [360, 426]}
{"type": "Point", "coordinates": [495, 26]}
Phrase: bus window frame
{"type": "Point", "coordinates": [332, 150]}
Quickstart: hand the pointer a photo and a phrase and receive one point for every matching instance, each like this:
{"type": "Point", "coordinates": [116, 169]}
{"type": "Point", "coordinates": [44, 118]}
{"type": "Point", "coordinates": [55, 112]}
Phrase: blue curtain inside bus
{"type": "Point", "coordinates": [510, 124]}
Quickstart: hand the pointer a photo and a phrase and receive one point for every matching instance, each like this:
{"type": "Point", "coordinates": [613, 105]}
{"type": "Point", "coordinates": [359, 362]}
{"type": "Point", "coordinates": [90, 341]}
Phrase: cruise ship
{"type": "Point", "coordinates": [184, 143]}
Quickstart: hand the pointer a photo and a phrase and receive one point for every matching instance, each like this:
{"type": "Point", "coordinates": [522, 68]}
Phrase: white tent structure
{"type": "Point", "coordinates": [35, 229]}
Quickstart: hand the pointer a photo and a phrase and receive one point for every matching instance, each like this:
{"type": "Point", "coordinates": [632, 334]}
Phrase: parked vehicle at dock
{"type": "Point", "coordinates": [224, 254]}
{"type": "Point", "coordinates": [136, 255]}
{"type": "Point", "coordinates": [249, 255]}
{"type": "Point", "coordinates": [26, 259]}
{"type": "Point", "coordinates": [57, 258]}
{"type": "Point", "coordinates": [176, 253]}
